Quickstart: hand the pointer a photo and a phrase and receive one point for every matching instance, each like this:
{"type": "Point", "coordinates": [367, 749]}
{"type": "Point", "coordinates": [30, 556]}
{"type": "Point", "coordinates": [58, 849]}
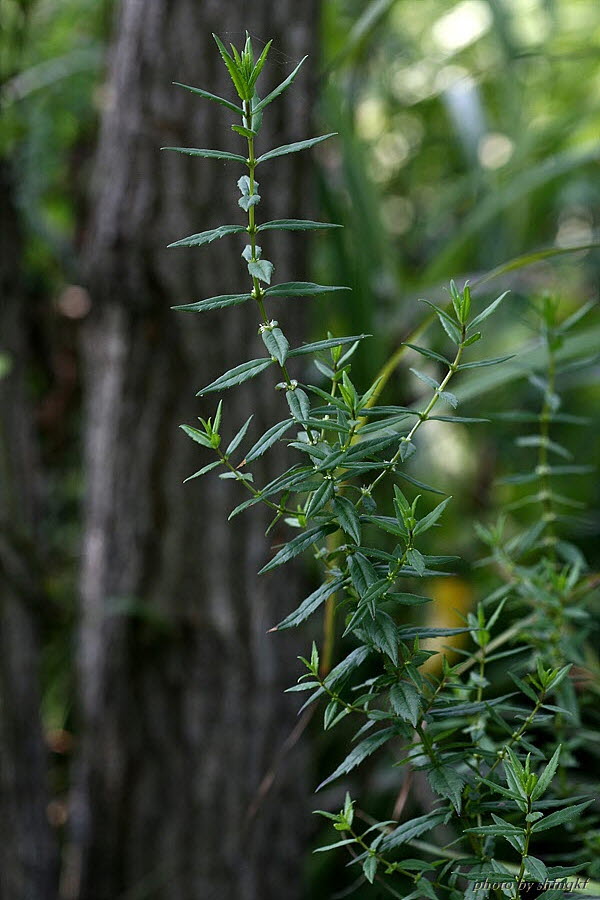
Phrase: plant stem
{"type": "Point", "coordinates": [422, 417]}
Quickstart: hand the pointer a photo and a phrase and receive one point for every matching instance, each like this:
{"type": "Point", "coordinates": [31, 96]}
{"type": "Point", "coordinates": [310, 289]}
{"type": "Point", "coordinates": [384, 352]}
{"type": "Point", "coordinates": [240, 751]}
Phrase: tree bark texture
{"type": "Point", "coordinates": [28, 861]}
{"type": "Point", "coordinates": [181, 698]}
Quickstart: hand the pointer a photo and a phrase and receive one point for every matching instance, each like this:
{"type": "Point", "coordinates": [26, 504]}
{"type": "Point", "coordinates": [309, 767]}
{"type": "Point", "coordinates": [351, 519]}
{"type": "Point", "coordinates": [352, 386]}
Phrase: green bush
{"type": "Point", "coordinates": [497, 746]}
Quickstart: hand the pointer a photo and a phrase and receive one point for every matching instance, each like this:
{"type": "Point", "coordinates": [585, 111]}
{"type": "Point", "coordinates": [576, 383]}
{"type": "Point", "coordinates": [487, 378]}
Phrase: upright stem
{"type": "Point", "coordinates": [423, 416]}
{"type": "Point", "coordinates": [545, 416]}
{"type": "Point", "coordinates": [257, 291]}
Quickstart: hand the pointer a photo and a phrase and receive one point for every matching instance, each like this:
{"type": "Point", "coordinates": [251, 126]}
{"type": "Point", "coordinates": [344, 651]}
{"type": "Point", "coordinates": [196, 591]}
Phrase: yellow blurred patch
{"type": "Point", "coordinates": [452, 598]}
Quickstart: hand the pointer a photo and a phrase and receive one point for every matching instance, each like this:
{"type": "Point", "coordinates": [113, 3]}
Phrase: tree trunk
{"type": "Point", "coordinates": [180, 687]}
{"type": "Point", "coordinates": [27, 852]}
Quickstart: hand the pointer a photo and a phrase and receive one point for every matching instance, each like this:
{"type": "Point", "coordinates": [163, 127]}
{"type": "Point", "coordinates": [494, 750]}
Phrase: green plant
{"type": "Point", "coordinates": [481, 751]}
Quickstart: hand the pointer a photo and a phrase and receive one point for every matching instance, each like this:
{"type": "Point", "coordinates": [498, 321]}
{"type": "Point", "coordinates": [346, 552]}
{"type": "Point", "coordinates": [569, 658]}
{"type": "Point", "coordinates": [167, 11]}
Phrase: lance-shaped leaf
{"type": "Point", "coordinates": [412, 829]}
{"type": "Point", "coordinates": [406, 702]}
{"type": "Point", "coordinates": [535, 868]}
{"type": "Point", "coordinates": [416, 559]}
{"type": "Point", "coordinates": [279, 89]}
{"type": "Point", "coordinates": [208, 154]}
{"type": "Point", "coordinates": [268, 439]}
{"type": "Point", "coordinates": [310, 605]}
{"type": "Point", "coordinates": [417, 483]}
{"type": "Point", "coordinates": [206, 237]}
{"type": "Point", "coordinates": [237, 440]}
{"type": "Point", "coordinates": [321, 496]}
{"type": "Point", "coordinates": [487, 312]}
{"type": "Point", "coordinates": [293, 148]}
{"type": "Point", "coordinates": [446, 782]}
{"type": "Point", "coordinates": [348, 517]}
{"type": "Point", "coordinates": [233, 67]}
{"type": "Point", "coordinates": [430, 354]}
{"type": "Point", "coordinates": [560, 817]}
{"type": "Point", "coordinates": [427, 521]}
{"type": "Point", "coordinates": [241, 373]}
{"type": "Point", "coordinates": [203, 470]}
{"type": "Point", "coordinates": [449, 325]}
{"type": "Point", "coordinates": [299, 404]}
{"type": "Point", "coordinates": [485, 362]}
{"type": "Point", "coordinates": [298, 545]}
{"type": "Point", "coordinates": [276, 343]}
{"type": "Point", "coordinates": [545, 779]}
{"type": "Point", "coordinates": [301, 289]}
{"type": "Point", "coordinates": [214, 303]}
{"type": "Point", "coordinates": [360, 753]}
{"type": "Point", "coordinates": [362, 572]}
{"type": "Point", "coordinates": [296, 225]}
{"type": "Point", "coordinates": [318, 346]}
{"type": "Point", "coordinates": [208, 96]}
{"type": "Point", "coordinates": [196, 435]}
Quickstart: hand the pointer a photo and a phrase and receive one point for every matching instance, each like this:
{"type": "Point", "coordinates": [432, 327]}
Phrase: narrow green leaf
{"type": "Point", "coordinates": [416, 560]}
{"type": "Point", "coordinates": [348, 517]}
{"type": "Point", "coordinates": [447, 783]}
{"type": "Point", "coordinates": [360, 753]}
{"type": "Point", "coordinates": [408, 599]}
{"type": "Point", "coordinates": [214, 303]}
{"type": "Point", "coordinates": [537, 440]}
{"type": "Point", "coordinates": [486, 312]}
{"type": "Point", "coordinates": [485, 362]}
{"type": "Point", "coordinates": [299, 404]}
{"type": "Point", "coordinates": [318, 346]}
{"type": "Point", "coordinates": [524, 687]}
{"type": "Point", "coordinates": [238, 375]}
{"type": "Point", "coordinates": [293, 148]}
{"type": "Point", "coordinates": [545, 779]}
{"type": "Point", "coordinates": [450, 398]}
{"type": "Point", "coordinates": [243, 132]}
{"type": "Point", "coordinates": [406, 702]}
{"type": "Point", "coordinates": [279, 89]}
{"type": "Point", "coordinates": [269, 438]}
{"type": "Point", "coordinates": [296, 225]}
{"type": "Point", "coordinates": [427, 521]}
{"type": "Point", "coordinates": [421, 631]}
{"type": "Point", "coordinates": [301, 289]}
{"type": "Point", "coordinates": [343, 843]}
{"type": "Point", "coordinates": [199, 436]}
{"type": "Point", "coordinates": [449, 325]}
{"type": "Point", "coordinates": [412, 829]}
{"type": "Point", "coordinates": [560, 817]}
{"type": "Point", "coordinates": [206, 237]}
{"type": "Point", "coordinates": [209, 96]}
{"type": "Point", "coordinates": [233, 68]}
{"type": "Point", "coordinates": [203, 470]}
{"type": "Point", "coordinates": [426, 379]}
{"type": "Point", "coordinates": [344, 668]}
{"type": "Point", "coordinates": [430, 354]}
{"type": "Point", "coordinates": [276, 343]}
{"type": "Point", "coordinates": [459, 419]}
{"type": "Point", "coordinates": [319, 498]}
{"type": "Point", "coordinates": [417, 483]}
{"type": "Point", "coordinates": [310, 605]}
{"type": "Point", "coordinates": [495, 830]}
{"type": "Point", "coordinates": [237, 440]}
{"type": "Point", "coordinates": [296, 546]}
{"type": "Point", "coordinates": [369, 868]}
{"type": "Point", "coordinates": [208, 154]}
{"type": "Point", "coordinates": [535, 868]}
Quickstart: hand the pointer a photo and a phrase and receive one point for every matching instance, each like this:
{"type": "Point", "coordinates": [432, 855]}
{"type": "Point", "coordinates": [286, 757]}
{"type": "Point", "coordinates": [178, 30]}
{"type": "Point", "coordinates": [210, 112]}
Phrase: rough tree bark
{"type": "Point", "coordinates": [180, 688]}
{"type": "Point", "coordinates": [28, 861]}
